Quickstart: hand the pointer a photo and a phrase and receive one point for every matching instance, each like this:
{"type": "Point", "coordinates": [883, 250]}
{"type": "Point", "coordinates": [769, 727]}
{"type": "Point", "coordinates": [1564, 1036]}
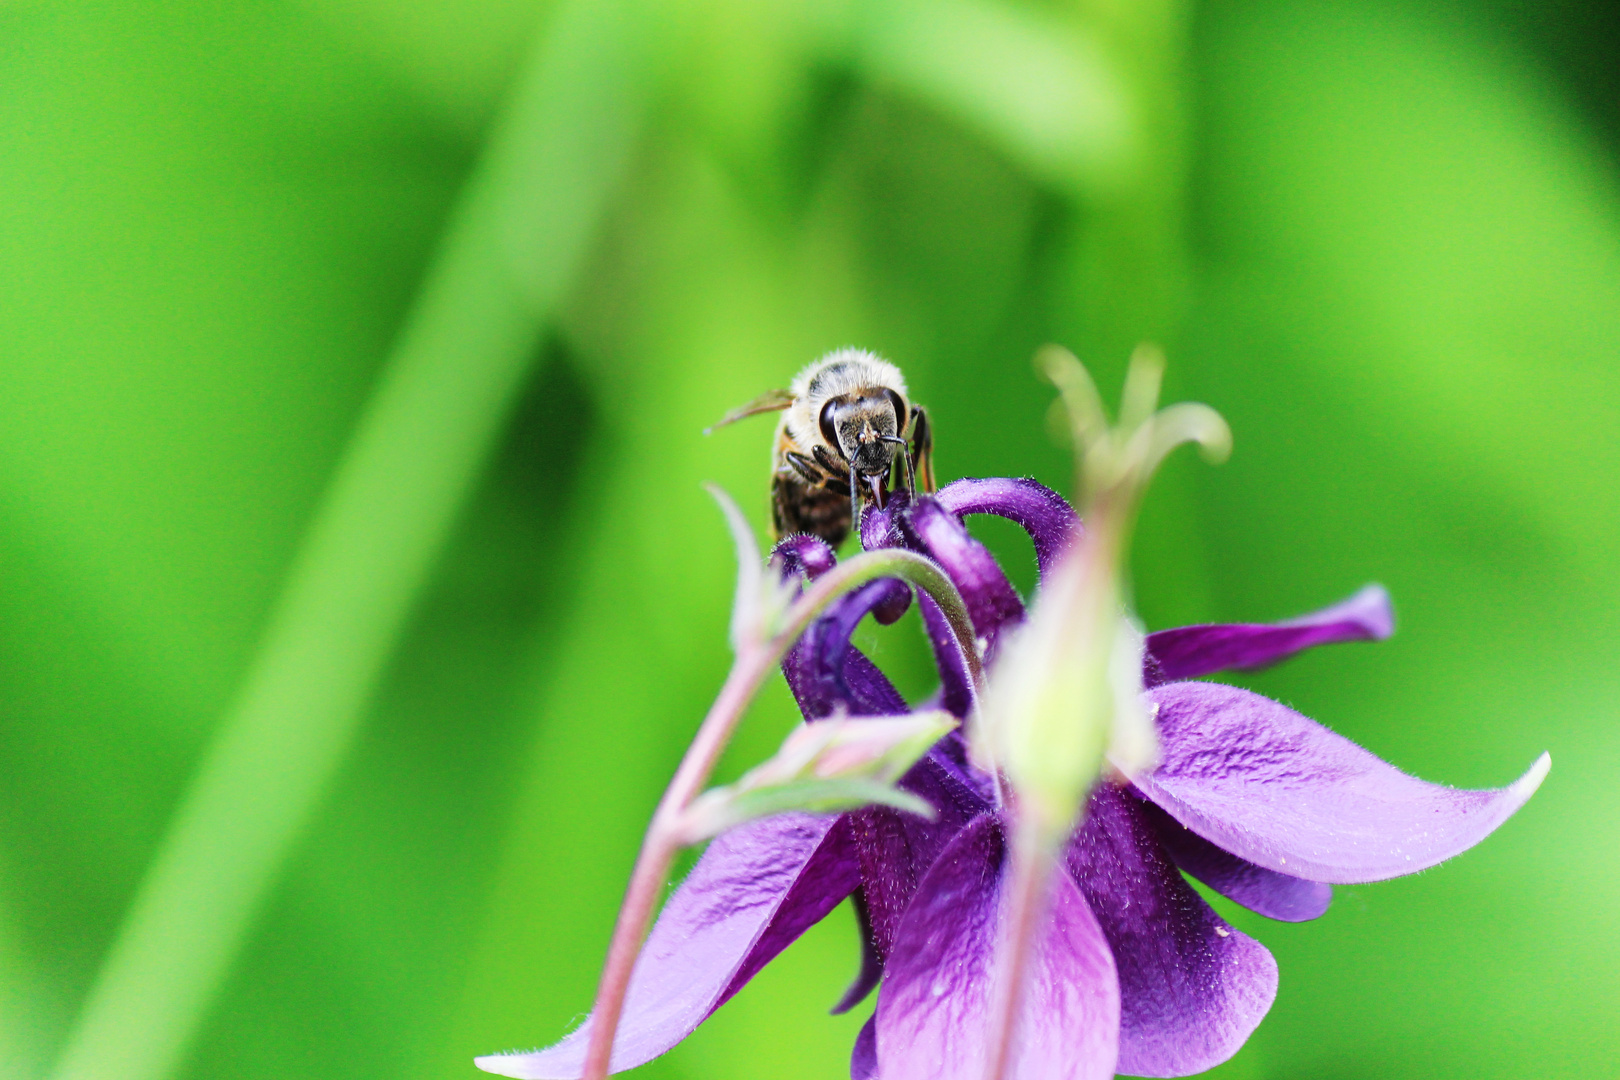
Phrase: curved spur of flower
{"type": "Point", "coordinates": [826, 674]}
{"type": "Point", "coordinates": [1050, 521]}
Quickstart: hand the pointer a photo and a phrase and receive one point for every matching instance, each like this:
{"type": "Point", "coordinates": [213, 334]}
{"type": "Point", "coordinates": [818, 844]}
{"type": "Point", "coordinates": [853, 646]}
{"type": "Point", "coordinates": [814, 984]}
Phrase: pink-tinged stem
{"type": "Point", "coordinates": [1032, 862]}
{"type": "Point", "coordinates": [755, 661]}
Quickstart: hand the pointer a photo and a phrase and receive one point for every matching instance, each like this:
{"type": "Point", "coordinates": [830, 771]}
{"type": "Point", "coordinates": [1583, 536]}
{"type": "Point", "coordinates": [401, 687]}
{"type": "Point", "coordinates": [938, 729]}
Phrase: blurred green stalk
{"type": "Point", "coordinates": [511, 248]}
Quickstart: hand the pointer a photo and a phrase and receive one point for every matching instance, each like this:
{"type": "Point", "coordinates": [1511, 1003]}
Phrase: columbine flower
{"type": "Point", "coordinates": [1136, 973]}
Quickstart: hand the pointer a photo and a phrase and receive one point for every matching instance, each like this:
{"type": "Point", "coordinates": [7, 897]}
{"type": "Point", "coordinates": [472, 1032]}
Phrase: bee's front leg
{"type": "Point", "coordinates": [825, 460]}
{"type": "Point", "coordinates": [920, 454]}
{"type": "Point", "coordinates": [806, 468]}
{"type": "Point", "coordinates": [813, 474]}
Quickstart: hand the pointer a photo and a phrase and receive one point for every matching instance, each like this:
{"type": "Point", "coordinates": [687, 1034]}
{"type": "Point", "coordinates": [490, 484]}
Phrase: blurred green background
{"type": "Point", "coordinates": [357, 591]}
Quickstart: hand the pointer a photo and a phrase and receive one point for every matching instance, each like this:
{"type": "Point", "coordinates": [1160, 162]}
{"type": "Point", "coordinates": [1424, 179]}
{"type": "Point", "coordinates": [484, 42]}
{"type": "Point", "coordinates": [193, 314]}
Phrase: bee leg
{"type": "Point", "coordinates": [920, 459]}
{"type": "Point", "coordinates": [805, 468]}
{"type": "Point", "coordinates": [825, 460]}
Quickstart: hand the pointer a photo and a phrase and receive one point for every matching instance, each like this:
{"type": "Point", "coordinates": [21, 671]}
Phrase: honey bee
{"type": "Point", "coordinates": [846, 424]}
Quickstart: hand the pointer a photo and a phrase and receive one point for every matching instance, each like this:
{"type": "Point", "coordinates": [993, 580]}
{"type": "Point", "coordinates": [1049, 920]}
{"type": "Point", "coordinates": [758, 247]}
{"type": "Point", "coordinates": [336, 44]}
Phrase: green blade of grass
{"type": "Point", "coordinates": [511, 248]}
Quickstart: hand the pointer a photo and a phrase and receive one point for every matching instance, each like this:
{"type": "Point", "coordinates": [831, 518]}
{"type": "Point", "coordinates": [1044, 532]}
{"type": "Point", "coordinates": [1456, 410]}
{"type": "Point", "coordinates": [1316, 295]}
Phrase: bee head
{"type": "Point", "coordinates": [865, 428]}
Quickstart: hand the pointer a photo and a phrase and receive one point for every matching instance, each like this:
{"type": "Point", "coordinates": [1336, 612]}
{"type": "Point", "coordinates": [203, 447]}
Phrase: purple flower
{"type": "Point", "coordinates": [1134, 973]}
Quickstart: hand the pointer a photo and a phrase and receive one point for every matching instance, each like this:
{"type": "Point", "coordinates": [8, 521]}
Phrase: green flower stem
{"type": "Point", "coordinates": [755, 661]}
{"type": "Point", "coordinates": [511, 248]}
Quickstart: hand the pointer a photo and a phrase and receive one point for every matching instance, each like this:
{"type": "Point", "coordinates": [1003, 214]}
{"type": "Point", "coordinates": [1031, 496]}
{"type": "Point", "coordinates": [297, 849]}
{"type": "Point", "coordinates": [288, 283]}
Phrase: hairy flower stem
{"type": "Point", "coordinates": [1024, 912]}
{"type": "Point", "coordinates": [755, 661]}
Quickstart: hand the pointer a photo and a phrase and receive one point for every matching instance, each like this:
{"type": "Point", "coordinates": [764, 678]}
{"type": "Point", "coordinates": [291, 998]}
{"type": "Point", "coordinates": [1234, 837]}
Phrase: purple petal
{"type": "Point", "coordinates": [756, 889]}
{"type": "Point", "coordinates": [895, 603]}
{"type": "Point", "coordinates": [932, 1014]}
{"type": "Point", "coordinates": [1283, 792]}
{"type": "Point", "coordinates": [871, 972]}
{"type": "Point", "coordinates": [863, 1059]}
{"type": "Point", "coordinates": [1187, 652]}
{"type": "Point", "coordinates": [854, 682]}
{"type": "Point", "coordinates": [1051, 523]}
{"type": "Point", "coordinates": [896, 849]}
{"type": "Point", "coordinates": [864, 690]}
{"type": "Point", "coordinates": [1191, 989]}
{"type": "Point", "coordinates": [991, 600]}
{"type": "Point", "coordinates": [1266, 892]}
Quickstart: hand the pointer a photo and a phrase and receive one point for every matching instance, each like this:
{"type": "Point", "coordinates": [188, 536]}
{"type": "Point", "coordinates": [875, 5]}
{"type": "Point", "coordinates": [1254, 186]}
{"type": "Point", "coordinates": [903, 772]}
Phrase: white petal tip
{"type": "Point", "coordinates": [1526, 785]}
{"type": "Point", "coordinates": [501, 1064]}
{"type": "Point", "coordinates": [1372, 604]}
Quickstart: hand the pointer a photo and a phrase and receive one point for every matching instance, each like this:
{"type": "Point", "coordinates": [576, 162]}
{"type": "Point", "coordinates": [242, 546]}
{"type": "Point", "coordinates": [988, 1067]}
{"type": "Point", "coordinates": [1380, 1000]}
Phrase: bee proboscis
{"type": "Point", "coordinates": [848, 433]}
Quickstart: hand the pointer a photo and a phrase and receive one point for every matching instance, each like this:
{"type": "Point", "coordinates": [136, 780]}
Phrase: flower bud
{"type": "Point", "coordinates": [825, 766]}
{"type": "Point", "coordinates": [1066, 691]}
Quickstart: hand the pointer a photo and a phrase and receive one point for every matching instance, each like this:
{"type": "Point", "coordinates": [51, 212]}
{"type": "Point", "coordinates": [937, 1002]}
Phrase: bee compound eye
{"type": "Point", "coordinates": [829, 427]}
{"type": "Point", "coordinates": [899, 410]}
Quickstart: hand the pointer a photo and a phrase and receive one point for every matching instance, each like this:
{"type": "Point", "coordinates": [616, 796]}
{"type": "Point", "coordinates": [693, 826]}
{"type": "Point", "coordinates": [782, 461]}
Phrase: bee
{"type": "Point", "coordinates": [846, 425]}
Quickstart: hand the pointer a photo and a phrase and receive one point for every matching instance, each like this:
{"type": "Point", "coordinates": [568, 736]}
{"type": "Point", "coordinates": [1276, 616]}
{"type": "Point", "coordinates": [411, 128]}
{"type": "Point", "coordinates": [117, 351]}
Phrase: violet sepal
{"type": "Point", "coordinates": [1285, 793]}
{"type": "Point", "coordinates": [1266, 892]}
{"type": "Point", "coordinates": [754, 890]}
{"type": "Point", "coordinates": [1188, 652]}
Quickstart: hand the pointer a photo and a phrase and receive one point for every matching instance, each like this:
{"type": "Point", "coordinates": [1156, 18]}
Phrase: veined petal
{"type": "Point", "coordinates": [1191, 988]}
{"type": "Point", "coordinates": [1050, 521]}
{"type": "Point", "coordinates": [878, 528]}
{"type": "Point", "coordinates": [1265, 892]}
{"type": "Point", "coordinates": [897, 849]}
{"type": "Point", "coordinates": [1187, 652]}
{"type": "Point", "coordinates": [1285, 793]}
{"type": "Point", "coordinates": [932, 1014]}
{"type": "Point", "coordinates": [754, 891]}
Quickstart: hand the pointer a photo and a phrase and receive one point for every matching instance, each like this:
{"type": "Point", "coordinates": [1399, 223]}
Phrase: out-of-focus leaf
{"type": "Point", "coordinates": [1412, 319]}
{"type": "Point", "coordinates": [1039, 88]}
{"type": "Point", "coordinates": [419, 445]}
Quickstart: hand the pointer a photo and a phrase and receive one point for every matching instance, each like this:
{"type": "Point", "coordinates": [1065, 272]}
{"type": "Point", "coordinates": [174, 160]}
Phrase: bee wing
{"type": "Point", "coordinates": [770, 401]}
